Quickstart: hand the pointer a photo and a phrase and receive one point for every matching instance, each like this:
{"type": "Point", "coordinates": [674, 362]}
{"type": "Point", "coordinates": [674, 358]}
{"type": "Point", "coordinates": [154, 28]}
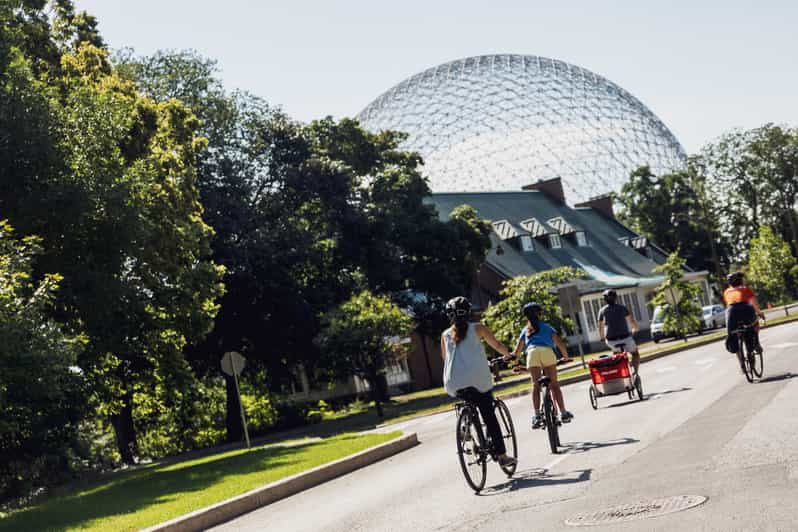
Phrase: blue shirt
{"type": "Point", "coordinates": [544, 336]}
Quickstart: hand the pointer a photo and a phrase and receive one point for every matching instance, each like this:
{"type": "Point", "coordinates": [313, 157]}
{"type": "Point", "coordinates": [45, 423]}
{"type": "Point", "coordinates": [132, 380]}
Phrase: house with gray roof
{"type": "Point", "coordinates": [534, 230]}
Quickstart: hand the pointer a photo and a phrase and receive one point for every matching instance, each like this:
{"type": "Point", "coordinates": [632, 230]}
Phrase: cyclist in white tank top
{"type": "Point", "coordinates": [466, 373]}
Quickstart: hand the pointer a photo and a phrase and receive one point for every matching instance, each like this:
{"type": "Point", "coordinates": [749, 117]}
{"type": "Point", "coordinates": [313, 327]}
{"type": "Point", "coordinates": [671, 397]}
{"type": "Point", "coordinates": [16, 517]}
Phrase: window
{"type": "Point", "coordinates": [581, 239]}
{"type": "Point", "coordinates": [592, 308]}
{"type": "Point", "coordinates": [631, 302]}
{"type": "Point", "coordinates": [526, 243]}
{"type": "Point", "coordinates": [555, 242]}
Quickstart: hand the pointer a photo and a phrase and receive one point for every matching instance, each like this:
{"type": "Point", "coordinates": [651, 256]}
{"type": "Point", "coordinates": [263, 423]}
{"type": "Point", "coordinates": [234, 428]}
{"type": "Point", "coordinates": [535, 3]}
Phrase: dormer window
{"type": "Point", "coordinates": [526, 243]}
{"type": "Point", "coordinates": [581, 239]}
{"type": "Point", "coordinates": [554, 241]}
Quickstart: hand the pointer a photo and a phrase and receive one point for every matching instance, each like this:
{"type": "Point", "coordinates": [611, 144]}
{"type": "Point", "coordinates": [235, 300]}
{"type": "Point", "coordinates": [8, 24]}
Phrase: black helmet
{"type": "Point", "coordinates": [458, 308]}
{"type": "Point", "coordinates": [609, 296]}
{"type": "Point", "coordinates": [532, 311]}
{"type": "Point", "coordinates": [735, 278]}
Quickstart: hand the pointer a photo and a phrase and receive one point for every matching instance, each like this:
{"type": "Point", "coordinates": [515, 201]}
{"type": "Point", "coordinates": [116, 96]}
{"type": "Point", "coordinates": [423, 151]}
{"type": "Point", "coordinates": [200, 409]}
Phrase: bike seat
{"type": "Point", "coordinates": [544, 380]}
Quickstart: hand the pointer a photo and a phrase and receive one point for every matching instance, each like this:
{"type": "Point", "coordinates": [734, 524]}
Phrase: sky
{"type": "Point", "coordinates": [703, 67]}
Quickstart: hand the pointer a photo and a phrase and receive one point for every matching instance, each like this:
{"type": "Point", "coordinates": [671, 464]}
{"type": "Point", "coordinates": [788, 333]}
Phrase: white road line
{"type": "Point", "coordinates": [703, 361]}
{"type": "Point", "coordinates": [783, 345]}
{"type": "Point", "coordinates": [667, 369]}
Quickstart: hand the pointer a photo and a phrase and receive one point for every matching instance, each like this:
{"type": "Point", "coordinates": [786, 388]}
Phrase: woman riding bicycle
{"type": "Point", "coordinates": [466, 372]}
{"type": "Point", "coordinates": [538, 339]}
{"type": "Point", "coordinates": [742, 309]}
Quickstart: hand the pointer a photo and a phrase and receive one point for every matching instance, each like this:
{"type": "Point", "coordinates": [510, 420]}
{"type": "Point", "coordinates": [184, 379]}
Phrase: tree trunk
{"type": "Point", "coordinates": [426, 357]}
{"type": "Point", "coordinates": [377, 383]}
{"type": "Point", "coordinates": [235, 430]}
{"type": "Point", "coordinates": [125, 432]}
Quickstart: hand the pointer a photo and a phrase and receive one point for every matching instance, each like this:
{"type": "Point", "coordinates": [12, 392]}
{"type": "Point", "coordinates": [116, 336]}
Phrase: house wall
{"type": "Point", "coordinates": [426, 370]}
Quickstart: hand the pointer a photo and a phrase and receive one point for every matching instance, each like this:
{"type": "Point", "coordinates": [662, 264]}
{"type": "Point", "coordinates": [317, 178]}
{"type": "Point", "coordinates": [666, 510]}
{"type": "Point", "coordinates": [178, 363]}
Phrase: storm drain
{"type": "Point", "coordinates": [637, 510]}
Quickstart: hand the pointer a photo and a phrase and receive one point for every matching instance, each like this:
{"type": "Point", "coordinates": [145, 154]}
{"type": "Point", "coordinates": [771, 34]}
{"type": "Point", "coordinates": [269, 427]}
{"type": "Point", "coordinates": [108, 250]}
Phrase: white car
{"type": "Point", "coordinates": [714, 316]}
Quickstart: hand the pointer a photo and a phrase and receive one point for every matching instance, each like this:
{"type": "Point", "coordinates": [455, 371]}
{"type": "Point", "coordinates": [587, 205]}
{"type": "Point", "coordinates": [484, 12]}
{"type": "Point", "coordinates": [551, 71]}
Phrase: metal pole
{"type": "Point", "coordinates": [581, 336]}
{"type": "Point", "coordinates": [240, 404]}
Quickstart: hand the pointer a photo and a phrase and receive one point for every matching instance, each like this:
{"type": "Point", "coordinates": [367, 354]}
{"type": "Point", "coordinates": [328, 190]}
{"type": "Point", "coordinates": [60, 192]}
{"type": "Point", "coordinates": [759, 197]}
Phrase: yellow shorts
{"type": "Point", "coordinates": [540, 356]}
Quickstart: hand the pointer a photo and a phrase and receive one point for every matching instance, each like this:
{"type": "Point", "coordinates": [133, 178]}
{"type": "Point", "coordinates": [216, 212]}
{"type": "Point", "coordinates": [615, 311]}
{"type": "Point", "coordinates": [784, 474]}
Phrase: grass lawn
{"type": "Point", "coordinates": [134, 499]}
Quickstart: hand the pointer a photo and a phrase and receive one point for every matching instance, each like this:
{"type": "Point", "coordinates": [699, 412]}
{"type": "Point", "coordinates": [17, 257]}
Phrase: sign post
{"type": "Point", "coordinates": [233, 364]}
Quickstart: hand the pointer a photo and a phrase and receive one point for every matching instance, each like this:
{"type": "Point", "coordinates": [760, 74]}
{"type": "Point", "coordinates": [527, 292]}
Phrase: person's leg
{"type": "Point", "coordinates": [551, 373]}
{"type": "Point", "coordinates": [484, 402]}
{"type": "Point", "coordinates": [537, 421]}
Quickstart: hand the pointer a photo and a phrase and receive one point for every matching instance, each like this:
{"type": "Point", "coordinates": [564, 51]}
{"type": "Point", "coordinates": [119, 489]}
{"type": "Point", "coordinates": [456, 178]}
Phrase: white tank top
{"type": "Point", "coordinates": [466, 364]}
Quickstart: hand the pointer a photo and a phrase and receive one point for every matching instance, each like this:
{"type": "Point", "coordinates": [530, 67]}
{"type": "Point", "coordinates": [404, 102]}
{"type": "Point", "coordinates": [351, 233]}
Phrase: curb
{"type": "Point", "coordinates": [226, 510]}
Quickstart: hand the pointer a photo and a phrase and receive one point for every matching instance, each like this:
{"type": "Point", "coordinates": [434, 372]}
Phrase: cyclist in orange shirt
{"type": "Point", "coordinates": [742, 307]}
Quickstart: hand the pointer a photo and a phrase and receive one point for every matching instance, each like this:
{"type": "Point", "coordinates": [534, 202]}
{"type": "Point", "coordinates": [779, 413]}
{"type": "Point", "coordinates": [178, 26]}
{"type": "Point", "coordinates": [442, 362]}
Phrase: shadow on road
{"type": "Point", "coordinates": [535, 478]}
{"type": "Point", "coordinates": [776, 378]}
{"type": "Point", "coordinates": [650, 396]}
{"type": "Point", "coordinates": [574, 447]}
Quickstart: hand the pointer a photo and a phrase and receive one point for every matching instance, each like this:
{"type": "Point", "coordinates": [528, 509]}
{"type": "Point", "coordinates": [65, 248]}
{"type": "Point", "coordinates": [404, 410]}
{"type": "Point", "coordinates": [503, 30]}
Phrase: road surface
{"type": "Point", "coordinates": [703, 431]}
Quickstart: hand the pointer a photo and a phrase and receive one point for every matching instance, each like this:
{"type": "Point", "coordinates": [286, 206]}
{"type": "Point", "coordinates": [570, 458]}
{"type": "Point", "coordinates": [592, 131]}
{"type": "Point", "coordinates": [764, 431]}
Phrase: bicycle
{"type": "Point", "coordinates": [751, 362]}
{"type": "Point", "coordinates": [550, 421]}
{"type": "Point", "coordinates": [474, 448]}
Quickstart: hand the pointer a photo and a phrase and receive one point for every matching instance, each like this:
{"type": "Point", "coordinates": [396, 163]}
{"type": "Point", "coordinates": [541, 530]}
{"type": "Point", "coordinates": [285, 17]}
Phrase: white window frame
{"type": "Point", "coordinates": [581, 239]}
{"type": "Point", "coordinates": [526, 243]}
{"type": "Point", "coordinates": [554, 241]}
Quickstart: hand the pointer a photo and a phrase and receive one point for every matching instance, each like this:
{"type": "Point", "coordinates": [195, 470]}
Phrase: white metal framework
{"type": "Point", "coordinates": [499, 122]}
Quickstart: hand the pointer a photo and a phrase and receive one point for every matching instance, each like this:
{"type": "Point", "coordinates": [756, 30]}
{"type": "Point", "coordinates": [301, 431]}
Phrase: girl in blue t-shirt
{"type": "Point", "coordinates": [537, 340]}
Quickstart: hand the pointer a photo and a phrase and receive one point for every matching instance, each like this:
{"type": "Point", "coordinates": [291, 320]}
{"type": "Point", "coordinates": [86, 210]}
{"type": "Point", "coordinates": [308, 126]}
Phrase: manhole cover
{"type": "Point", "coordinates": [637, 510]}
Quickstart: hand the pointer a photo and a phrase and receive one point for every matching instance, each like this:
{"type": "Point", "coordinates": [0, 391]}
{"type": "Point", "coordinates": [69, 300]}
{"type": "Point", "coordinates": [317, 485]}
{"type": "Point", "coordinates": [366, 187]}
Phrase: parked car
{"type": "Point", "coordinates": [657, 326]}
{"type": "Point", "coordinates": [714, 316]}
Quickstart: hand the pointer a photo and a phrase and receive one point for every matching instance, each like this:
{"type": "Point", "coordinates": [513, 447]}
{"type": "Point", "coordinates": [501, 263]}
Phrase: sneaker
{"type": "Point", "coordinates": [537, 421]}
{"type": "Point", "coordinates": [566, 416]}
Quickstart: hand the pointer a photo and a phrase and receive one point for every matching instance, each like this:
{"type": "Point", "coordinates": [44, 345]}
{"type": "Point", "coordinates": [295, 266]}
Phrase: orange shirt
{"type": "Point", "coordinates": [739, 294]}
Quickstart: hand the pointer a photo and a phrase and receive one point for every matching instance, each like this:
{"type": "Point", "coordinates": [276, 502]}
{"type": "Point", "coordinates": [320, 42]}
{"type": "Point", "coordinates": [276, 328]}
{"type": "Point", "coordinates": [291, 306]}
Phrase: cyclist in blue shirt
{"type": "Point", "coordinates": [538, 339]}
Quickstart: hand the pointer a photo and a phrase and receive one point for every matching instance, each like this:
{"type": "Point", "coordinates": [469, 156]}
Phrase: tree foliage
{"type": "Point", "coordinates": [505, 318]}
{"type": "Point", "coordinates": [41, 391]}
{"type": "Point", "coordinates": [677, 298]}
{"type": "Point", "coordinates": [361, 336]}
{"type": "Point", "coordinates": [770, 267]}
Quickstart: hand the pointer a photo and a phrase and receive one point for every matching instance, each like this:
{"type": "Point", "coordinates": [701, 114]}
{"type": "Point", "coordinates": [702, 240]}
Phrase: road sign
{"type": "Point", "coordinates": [233, 363]}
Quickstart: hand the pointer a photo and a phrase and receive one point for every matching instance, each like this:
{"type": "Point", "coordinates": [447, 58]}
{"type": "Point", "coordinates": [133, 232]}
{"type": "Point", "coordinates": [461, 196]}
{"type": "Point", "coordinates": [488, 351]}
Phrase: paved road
{"type": "Point", "coordinates": [703, 431]}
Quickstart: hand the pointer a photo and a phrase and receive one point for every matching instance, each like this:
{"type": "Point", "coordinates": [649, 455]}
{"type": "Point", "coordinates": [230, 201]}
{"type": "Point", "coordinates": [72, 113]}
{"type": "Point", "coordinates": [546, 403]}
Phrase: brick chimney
{"type": "Point", "coordinates": [601, 204]}
{"type": "Point", "coordinates": [550, 187]}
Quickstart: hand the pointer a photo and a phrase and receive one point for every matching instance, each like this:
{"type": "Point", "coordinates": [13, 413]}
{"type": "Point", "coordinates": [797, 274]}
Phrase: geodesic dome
{"type": "Point", "coordinates": [499, 122]}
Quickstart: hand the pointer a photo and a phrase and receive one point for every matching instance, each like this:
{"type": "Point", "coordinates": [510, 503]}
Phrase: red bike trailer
{"type": "Point", "coordinates": [611, 375]}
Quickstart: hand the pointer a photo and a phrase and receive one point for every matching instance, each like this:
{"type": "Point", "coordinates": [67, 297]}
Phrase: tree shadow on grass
{"type": "Point", "coordinates": [536, 478]}
{"type": "Point", "coordinates": [144, 488]}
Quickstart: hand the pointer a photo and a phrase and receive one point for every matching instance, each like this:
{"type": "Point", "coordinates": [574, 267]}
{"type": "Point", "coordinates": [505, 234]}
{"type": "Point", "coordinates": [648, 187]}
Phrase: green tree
{"type": "Point", "coordinates": [41, 392]}
{"type": "Point", "coordinates": [361, 336]}
{"type": "Point", "coordinates": [674, 211]}
{"type": "Point", "coordinates": [770, 266]}
{"type": "Point", "coordinates": [677, 298]}
{"type": "Point", "coordinates": [505, 318]}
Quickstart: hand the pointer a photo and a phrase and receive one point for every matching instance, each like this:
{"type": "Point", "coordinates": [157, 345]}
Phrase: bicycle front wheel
{"type": "Point", "coordinates": [471, 449]}
{"type": "Point", "coordinates": [747, 370]}
{"type": "Point", "coordinates": [508, 433]}
{"type": "Point", "coordinates": [551, 424]}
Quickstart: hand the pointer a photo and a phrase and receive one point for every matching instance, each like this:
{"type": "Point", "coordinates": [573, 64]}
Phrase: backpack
{"type": "Point", "coordinates": [732, 343]}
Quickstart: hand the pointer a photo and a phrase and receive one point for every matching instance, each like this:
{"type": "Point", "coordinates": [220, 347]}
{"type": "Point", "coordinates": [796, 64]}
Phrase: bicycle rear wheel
{"type": "Point", "coordinates": [508, 433]}
{"type": "Point", "coordinates": [746, 363]}
{"type": "Point", "coordinates": [471, 449]}
{"type": "Point", "coordinates": [551, 424]}
{"type": "Point", "coordinates": [756, 363]}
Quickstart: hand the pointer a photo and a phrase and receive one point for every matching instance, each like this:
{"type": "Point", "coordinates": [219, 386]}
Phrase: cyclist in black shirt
{"type": "Point", "coordinates": [614, 323]}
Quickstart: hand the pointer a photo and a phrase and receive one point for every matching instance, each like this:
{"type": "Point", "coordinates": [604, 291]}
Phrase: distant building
{"type": "Point", "coordinates": [535, 230]}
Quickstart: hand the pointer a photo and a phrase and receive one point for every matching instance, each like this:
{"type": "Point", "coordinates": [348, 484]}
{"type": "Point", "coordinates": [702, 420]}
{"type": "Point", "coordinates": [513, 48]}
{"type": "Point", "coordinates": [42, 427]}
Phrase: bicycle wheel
{"type": "Point", "coordinates": [508, 433]}
{"type": "Point", "coordinates": [756, 363]}
{"type": "Point", "coordinates": [551, 424]}
{"type": "Point", "coordinates": [471, 449]}
{"type": "Point", "coordinates": [746, 363]}
{"type": "Point", "coordinates": [639, 387]}
{"type": "Point", "coordinates": [593, 398]}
